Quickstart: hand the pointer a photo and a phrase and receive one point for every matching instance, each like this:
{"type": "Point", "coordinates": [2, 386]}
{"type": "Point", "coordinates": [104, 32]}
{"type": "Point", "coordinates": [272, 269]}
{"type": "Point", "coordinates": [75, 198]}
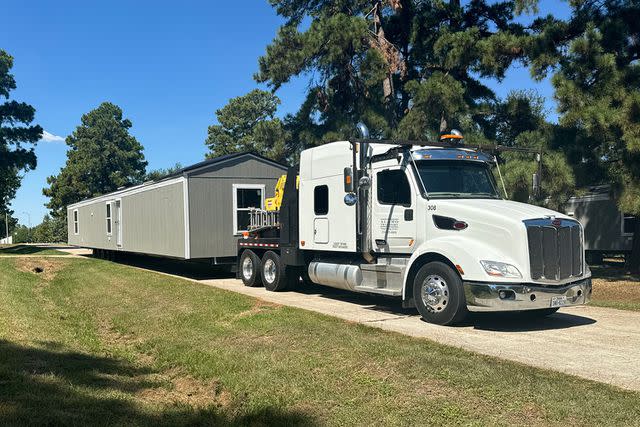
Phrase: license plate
{"type": "Point", "coordinates": [558, 301]}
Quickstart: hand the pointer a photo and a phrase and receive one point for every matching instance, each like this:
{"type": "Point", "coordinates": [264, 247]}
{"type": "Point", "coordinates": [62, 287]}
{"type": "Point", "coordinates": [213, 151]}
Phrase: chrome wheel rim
{"type": "Point", "coordinates": [269, 270]}
{"type": "Point", "coordinates": [247, 268]}
{"type": "Point", "coordinates": [435, 293]}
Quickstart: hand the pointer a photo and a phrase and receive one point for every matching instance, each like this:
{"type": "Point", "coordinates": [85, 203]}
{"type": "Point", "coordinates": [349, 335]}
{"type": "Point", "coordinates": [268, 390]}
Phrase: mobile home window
{"type": "Point", "coordinates": [321, 200]}
{"type": "Point", "coordinates": [245, 197]}
{"type": "Point", "coordinates": [628, 224]}
{"type": "Point", "coordinates": [393, 188]}
{"type": "Point", "coordinates": [76, 228]}
{"type": "Point", "coordinates": [108, 217]}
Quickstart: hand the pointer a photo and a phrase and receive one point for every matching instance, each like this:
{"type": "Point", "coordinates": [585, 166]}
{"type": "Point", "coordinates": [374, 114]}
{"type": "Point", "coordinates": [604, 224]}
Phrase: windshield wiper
{"type": "Point", "coordinates": [443, 194]}
{"type": "Point", "coordinates": [491, 195]}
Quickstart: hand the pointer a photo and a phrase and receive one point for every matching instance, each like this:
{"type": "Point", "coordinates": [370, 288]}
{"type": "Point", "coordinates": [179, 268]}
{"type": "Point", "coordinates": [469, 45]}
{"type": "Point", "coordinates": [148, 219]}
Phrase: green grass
{"type": "Point", "coordinates": [89, 342]}
{"type": "Point", "coordinates": [615, 288]}
{"type": "Point", "coordinates": [27, 250]}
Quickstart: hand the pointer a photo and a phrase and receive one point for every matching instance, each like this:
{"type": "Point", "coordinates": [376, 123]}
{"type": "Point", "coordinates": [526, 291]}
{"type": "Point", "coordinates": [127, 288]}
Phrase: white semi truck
{"type": "Point", "coordinates": [424, 222]}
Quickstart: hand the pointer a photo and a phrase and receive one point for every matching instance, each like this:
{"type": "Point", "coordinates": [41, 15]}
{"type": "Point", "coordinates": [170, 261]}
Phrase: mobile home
{"type": "Point", "coordinates": [196, 213]}
{"type": "Point", "coordinates": [606, 228]}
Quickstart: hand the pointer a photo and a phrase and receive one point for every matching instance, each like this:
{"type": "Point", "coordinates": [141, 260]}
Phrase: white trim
{"type": "Point", "coordinates": [622, 233]}
{"type": "Point", "coordinates": [187, 237]}
{"type": "Point", "coordinates": [75, 219]}
{"type": "Point", "coordinates": [119, 235]}
{"type": "Point", "coordinates": [127, 192]}
{"type": "Point", "coordinates": [235, 202]}
{"type": "Point", "coordinates": [108, 220]}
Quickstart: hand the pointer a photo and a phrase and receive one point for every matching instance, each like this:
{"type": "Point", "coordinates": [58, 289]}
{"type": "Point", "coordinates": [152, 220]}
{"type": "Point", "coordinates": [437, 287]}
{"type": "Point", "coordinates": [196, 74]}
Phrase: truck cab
{"type": "Point", "coordinates": [429, 225]}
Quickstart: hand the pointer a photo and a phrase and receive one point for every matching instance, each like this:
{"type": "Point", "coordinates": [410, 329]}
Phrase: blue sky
{"type": "Point", "coordinates": [168, 65]}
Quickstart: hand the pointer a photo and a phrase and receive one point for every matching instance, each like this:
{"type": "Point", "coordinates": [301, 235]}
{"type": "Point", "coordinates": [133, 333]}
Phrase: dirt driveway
{"type": "Point", "coordinates": [594, 343]}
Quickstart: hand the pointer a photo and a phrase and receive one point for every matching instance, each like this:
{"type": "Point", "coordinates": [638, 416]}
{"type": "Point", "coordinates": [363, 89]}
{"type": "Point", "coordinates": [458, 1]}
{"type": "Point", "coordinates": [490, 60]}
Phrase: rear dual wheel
{"type": "Point", "coordinates": [275, 276]}
{"type": "Point", "coordinates": [250, 267]}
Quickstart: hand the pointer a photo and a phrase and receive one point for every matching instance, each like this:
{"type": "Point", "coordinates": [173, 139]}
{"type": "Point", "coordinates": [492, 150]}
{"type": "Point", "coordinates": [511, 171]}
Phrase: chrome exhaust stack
{"type": "Point", "coordinates": [363, 185]}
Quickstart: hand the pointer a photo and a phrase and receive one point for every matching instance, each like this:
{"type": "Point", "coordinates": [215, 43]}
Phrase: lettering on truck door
{"type": "Point", "coordinates": [393, 219]}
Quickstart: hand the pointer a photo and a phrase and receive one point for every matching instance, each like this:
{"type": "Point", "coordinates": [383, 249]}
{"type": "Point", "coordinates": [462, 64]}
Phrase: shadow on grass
{"type": "Point", "coordinates": [22, 250]}
{"type": "Point", "coordinates": [48, 385]}
{"type": "Point", "coordinates": [190, 269]}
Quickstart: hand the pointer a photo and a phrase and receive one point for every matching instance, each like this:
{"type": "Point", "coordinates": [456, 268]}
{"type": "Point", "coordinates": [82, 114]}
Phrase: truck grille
{"type": "Point", "coordinates": [555, 248]}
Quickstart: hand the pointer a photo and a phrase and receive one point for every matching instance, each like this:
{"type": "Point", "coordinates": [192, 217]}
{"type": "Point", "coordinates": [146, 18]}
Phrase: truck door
{"type": "Point", "coordinates": [393, 224]}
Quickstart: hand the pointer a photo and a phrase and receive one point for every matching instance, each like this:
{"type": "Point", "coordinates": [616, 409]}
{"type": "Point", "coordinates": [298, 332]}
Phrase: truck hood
{"type": "Point", "coordinates": [506, 209]}
{"type": "Point", "coordinates": [496, 232]}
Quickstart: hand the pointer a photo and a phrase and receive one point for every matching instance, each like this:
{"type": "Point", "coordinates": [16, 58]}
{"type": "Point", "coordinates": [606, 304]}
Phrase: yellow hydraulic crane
{"type": "Point", "coordinates": [274, 203]}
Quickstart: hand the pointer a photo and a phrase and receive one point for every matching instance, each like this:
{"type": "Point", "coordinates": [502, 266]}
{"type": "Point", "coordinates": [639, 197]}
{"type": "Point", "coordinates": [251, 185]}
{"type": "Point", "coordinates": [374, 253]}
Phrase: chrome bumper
{"type": "Point", "coordinates": [517, 297]}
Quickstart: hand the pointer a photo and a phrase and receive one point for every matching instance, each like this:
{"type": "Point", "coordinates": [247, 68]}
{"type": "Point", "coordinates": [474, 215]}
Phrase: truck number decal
{"type": "Point", "coordinates": [431, 207]}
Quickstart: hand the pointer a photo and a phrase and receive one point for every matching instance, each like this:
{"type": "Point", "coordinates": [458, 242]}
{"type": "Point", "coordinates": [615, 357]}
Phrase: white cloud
{"type": "Point", "coordinates": [49, 137]}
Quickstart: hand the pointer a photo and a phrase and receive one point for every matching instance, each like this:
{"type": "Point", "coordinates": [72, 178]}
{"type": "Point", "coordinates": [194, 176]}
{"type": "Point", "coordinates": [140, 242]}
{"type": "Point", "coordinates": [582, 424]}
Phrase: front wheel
{"type": "Point", "coordinates": [439, 295]}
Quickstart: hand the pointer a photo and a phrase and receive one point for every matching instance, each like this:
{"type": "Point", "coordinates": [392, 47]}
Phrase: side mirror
{"type": "Point", "coordinates": [348, 180]}
{"type": "Point", "coordinates": [350, 199]}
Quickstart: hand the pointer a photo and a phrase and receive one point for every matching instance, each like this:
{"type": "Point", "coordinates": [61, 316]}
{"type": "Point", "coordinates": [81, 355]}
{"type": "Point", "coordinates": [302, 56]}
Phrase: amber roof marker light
{"type": "Point", "coordinates": [453, 137]}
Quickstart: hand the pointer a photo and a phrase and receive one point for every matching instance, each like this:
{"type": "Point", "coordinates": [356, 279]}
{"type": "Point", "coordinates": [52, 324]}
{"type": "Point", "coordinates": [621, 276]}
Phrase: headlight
{"type": "Point", "coordinates": [500, 269]}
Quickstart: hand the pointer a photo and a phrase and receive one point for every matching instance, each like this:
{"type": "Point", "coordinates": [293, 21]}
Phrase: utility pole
{"type": "Point", "coordinates": [6, 225]}
{"type": "Point", "coordinates": [29, 218]}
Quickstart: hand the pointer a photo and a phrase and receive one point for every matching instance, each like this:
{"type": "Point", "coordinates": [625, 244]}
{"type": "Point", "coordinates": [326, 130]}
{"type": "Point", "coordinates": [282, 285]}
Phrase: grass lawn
{"type": "Point", "coordinates": [27, 250]}
{"type": "Point", "coordinates": [87, 341]}
{"type": "Point", "coordinates": [613, 287]}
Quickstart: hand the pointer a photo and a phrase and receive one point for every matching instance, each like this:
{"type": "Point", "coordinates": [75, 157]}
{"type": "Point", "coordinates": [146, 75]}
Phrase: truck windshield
{"type": "Point", "coordinates": [449, 179]}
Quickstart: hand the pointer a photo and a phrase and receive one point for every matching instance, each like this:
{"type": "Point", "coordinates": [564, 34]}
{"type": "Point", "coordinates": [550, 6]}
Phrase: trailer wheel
{"type": "Point", "coordinates": [273, 272]}
{"type": "Point", "coordinates": [439, 295]}
{"type": "Point", "coordinates": [250, 267]}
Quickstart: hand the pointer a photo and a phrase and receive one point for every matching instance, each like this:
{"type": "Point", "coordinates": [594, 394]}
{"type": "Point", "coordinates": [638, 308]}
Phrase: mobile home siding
{"type": "Point", "coordinates": [602, 222]}
{"type": "Point", "coordinates": [211, 202]}
{"type": "Point", "coordinates": [92, 226]}
{"type": "Point", "coordinates": [153, 221]}
{"type": "Point", "coordinates": [190, 215]}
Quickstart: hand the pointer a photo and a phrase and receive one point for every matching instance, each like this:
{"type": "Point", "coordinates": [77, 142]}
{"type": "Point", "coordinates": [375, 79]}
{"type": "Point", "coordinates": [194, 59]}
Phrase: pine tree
{"type": "Point", "coordinates": [406, 68]}
{"type": "Point", "coordinates": [594, 57]}
{"type": "Point", "coordinates": [102, 157]}
{"type": "Point", "coordinates": [248, 124]}
{"type": "Point", "coordinates": [17, 137]}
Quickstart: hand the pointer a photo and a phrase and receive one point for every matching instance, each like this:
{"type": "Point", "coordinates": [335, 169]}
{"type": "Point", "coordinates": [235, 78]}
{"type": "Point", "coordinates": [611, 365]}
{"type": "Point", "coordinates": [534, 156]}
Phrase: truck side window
{"type": "Point", "coordinates": [321, 200]}
{"type": "Point", "coordinates": [393, 188]}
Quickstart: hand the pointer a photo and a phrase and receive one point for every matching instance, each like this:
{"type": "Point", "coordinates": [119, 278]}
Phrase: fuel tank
{"type": "Point", "coordinates": [341, 276]}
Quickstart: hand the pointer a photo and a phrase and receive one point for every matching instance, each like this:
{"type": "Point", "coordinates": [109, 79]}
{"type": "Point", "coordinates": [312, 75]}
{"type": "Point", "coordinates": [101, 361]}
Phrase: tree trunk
{"type": "Point", "coordinates": [633, 261]}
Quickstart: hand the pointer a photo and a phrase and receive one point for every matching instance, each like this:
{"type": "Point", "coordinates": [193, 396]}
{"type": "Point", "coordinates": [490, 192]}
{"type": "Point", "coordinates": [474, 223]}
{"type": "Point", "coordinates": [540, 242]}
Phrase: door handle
{"type": "Point", "coordinates": [408, 214]}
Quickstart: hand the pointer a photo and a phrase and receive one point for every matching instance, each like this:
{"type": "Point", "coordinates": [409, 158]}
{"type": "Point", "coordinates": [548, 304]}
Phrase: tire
{"type": "Point", "coordinates": [251, 275]}
{"type": "Point", "coordinates": [439, 295]}
{"type": "Point", "coordinates": [273, 272]}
